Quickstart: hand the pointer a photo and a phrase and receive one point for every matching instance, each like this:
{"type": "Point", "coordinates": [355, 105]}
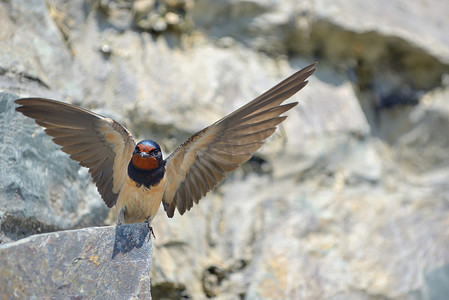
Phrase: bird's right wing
{"type": "Point", "coordinates": [98, 143]}
{"type": "Point", "coordinates": [196, 166]}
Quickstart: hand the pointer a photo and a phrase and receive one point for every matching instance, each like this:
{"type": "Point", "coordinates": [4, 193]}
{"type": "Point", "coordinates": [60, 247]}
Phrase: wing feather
{"type": "Point", "coordinates": [197, 166]}
{"type": "Point", "coordinates": [257, 127]}
{"type": "Point", "coordinates": [98, 143]}
{"type": "Point", "coordinates": [226, 147]}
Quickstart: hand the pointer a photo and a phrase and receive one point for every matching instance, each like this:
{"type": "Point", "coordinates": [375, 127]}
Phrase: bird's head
{"type": "Point", "coordinates": [147, 156]}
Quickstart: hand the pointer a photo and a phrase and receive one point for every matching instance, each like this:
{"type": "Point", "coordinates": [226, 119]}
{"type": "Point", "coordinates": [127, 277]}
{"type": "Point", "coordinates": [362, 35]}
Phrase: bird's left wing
{"type": "Point", "coordinates": [98, 143]}
{"type": "Point", "coordinates": [202, 161]}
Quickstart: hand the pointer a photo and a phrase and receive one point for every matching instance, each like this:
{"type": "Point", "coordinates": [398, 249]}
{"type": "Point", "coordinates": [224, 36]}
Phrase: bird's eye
{"type": "Point", "coordinates": [155, 152]}
{"type": "Point", "coordinates": [137, 149]}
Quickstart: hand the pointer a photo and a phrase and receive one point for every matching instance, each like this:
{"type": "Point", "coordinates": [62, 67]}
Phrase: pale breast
{"type": "Point", "coordinates": [141, 203]}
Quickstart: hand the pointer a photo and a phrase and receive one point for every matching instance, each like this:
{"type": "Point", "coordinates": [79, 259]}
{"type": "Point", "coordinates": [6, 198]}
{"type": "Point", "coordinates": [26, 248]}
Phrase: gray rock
{"type": "Point", "coordinates": [325, 236]}
{"type": "Point", "coordinates": [417, 22]}
{"type": "Point", "coordinates": [424, 123]}
{"type": "Point", "coordinates": [391, 46]}
{"type": "Point", "coordinates": [100, 263]}
{"type": "Point", "coordinates": [33, 47]}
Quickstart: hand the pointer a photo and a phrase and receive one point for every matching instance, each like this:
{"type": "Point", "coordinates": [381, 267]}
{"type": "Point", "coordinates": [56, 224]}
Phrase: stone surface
{"type": "Point", "coordinates": [348, 200]}
{"type": "Point", "coordinates": [39, 52]}
{"type": "Point", "coordinates": [417, 22]}
{"type": "Point", "coordinates": [427, 122]}
{"type": "Point", "coordinates": [392, 47]}
{"type": "Point", "coordinates": [97, 262]}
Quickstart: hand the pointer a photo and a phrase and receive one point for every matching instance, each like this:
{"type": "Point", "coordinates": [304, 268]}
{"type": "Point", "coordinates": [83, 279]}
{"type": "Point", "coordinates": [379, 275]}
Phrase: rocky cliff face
{"type": "Point", "coordinates": [349, 199]}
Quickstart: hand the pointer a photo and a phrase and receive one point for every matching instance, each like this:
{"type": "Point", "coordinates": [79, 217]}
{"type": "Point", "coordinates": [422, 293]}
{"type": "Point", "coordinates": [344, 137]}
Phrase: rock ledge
{"type": "Point", "coordinates": [98, 262]}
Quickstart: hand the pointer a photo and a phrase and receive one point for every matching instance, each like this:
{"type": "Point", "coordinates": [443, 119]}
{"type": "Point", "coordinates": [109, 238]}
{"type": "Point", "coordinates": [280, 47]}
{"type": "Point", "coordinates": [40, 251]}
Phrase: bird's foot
{"type": "Point", "coordinates": [151, 230]}
{"type": "Point", "coordinates": [121, 216]}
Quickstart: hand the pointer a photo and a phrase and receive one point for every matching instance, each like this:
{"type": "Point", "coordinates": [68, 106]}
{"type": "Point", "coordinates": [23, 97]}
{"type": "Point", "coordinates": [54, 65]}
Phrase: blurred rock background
{"type": "Point", "coordinates": [348, 200]}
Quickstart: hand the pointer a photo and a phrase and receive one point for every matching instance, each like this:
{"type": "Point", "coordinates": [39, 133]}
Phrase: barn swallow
{"type": "Point", "coordinates": [134, 178]}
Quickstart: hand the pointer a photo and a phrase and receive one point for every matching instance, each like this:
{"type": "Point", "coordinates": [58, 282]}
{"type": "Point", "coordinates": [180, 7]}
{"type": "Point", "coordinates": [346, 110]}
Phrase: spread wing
{"type": "Point", "coordinates": [98, 143]}
{"type": "Point", "coordinates": [196, 166]}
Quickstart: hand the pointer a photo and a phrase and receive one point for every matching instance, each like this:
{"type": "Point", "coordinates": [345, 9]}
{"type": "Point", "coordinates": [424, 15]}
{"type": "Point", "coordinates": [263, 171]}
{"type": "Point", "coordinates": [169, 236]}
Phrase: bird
{"type": "Point", "coordinates": [134, 178]}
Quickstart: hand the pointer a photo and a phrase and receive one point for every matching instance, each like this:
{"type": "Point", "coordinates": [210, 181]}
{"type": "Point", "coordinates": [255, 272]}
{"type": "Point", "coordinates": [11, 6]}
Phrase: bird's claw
{"type": "Point", "coordinates": [151, 233]}
{"type": "Point", "coordinates": [121, 216]}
